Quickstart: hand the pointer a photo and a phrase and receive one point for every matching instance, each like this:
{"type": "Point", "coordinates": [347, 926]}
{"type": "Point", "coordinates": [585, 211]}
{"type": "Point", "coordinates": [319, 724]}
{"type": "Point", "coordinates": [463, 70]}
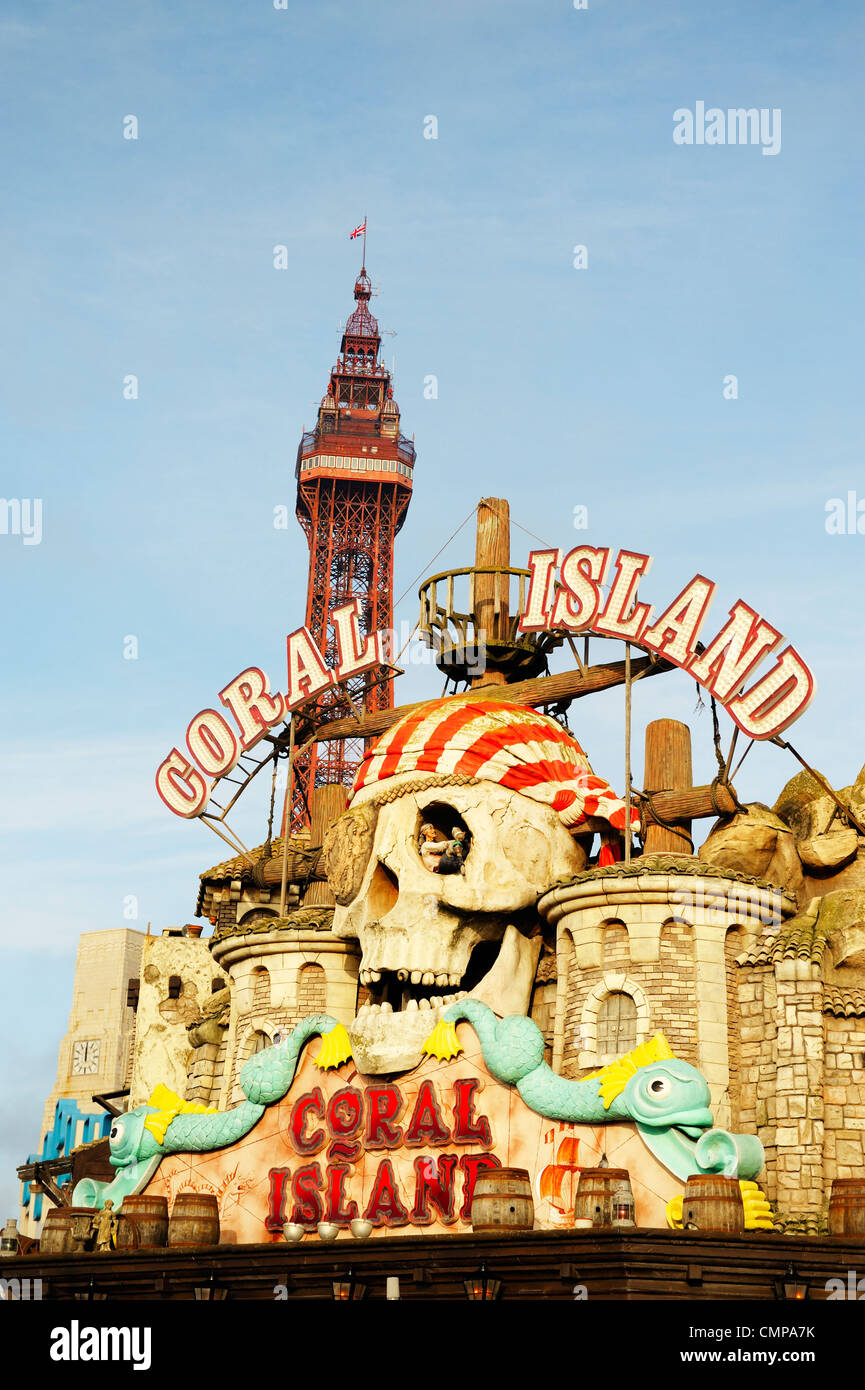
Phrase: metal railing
{"type": "Point", "coordinates": [488, 616]}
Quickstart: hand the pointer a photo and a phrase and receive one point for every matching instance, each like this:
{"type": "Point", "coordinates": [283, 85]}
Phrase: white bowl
{"type": "Point", "coordinates": [328, 1230]}
{"type": "Point", "coordinates": [360, 1228]}
{"type": "Point", "coordinates": [292, 1231]}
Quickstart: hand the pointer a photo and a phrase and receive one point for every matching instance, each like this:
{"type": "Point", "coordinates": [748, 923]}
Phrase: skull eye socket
{"type": "Point", "coordinates": [443, 839]}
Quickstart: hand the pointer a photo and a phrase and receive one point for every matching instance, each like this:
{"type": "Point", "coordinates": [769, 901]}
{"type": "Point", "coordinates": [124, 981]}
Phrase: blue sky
{"type": "Point", "coordinates": [556, 386]}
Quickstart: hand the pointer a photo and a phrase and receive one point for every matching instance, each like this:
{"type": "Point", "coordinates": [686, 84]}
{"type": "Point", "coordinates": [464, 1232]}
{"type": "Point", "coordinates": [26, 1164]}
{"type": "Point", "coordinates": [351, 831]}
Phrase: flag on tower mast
{"type": "Point", "coordinates": [360, 231]}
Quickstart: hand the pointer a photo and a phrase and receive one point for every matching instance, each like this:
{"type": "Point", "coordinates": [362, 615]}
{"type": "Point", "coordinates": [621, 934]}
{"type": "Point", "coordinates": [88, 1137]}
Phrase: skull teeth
{"type": "Point", "coordinates": [412, 996]}
{"type": "Point", "coordinates": [436, 1001]}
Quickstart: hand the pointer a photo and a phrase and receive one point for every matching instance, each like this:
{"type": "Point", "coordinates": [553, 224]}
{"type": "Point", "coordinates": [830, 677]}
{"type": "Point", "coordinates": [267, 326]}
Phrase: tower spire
{"type": "Point", "coordinates": [354, 482]}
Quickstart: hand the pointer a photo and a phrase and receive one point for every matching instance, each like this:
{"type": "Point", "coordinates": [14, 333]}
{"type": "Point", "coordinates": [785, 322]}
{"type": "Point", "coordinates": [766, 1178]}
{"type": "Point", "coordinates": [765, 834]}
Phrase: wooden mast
{"type": "Point", "coordinates": [492, 547]}
{"type": "Point", "coordinates": [668, 769]}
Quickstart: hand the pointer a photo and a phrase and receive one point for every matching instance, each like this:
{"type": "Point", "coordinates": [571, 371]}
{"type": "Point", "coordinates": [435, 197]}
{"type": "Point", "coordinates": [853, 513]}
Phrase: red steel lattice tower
{"type": "Point", "coordinates": [354, 483]}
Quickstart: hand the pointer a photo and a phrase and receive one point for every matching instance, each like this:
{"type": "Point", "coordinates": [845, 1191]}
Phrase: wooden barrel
{"type": "Point", "coordinates": [56, 1237]}
{"type": "Point", "coordinates": [712, 1203]}
{"type": "Point", "coordinates": [502, 1200]}
{"type": "Point", "coordinates": [847, 1207]}
{"type": "Point", "coordinates": [194, 1219]}
{"type": "Point", "coordinates": [594, 1199]}
{"type": "Point", "coordinates": [143, 1223]}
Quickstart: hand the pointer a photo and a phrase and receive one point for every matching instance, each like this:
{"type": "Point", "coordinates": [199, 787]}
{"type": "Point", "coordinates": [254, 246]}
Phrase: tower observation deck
{"type": "Point", "coordinates": [354, 483]}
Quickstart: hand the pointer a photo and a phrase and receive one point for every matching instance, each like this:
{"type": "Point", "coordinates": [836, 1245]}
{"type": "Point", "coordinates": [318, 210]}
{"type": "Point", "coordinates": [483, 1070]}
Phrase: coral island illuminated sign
{"type": "Point", "coordinates": [565, 594]}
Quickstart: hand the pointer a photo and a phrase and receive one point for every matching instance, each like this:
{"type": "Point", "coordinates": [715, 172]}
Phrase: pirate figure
{"type": "Point", "coordinates": [455, 851]}
{"type": "Point", "coordinates": [430, 847]}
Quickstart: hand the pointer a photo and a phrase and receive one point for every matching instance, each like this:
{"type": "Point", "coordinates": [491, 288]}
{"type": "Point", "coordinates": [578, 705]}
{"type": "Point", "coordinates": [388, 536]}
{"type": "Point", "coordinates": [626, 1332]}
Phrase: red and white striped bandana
{"type": "Point", "coordinates": [510, 744]}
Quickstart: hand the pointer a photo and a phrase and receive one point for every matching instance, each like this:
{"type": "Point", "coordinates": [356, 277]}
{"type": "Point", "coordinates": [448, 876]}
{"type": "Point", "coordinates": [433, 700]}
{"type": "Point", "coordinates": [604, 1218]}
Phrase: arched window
{"type": "Point", "coordinates": [259, 1042]}
{"type": "Point", "coordinates": [617, 1024]}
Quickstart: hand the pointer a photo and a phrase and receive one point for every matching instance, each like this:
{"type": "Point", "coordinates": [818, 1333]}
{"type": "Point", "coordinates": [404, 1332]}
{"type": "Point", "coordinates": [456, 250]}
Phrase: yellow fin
{"type": "Point", "coordinates": [442, 1042]}
{"type": "Point", "coordinates": [615, 1077]}
{"type": "Point", "coordinates": [158, 1124]}
{"type": "Point", "coordinates": [335, 1048]}
{"type": "Point", "coordinates": [169, 1106]}
{"type": "Point", "coordinates": [164, 1098]}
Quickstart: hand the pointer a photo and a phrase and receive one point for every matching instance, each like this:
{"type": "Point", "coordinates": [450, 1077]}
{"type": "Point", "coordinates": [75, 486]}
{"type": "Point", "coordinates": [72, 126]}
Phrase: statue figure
{"type": "Point", "coordinates": [455, 851]}
{"type": "Point", "coordinates": [105, 1227]}
{"type": "Point", "coordinates": [430, 847]}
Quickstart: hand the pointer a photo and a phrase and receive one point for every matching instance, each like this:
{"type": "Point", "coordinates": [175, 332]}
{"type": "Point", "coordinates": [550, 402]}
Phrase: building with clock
{"type": "Point", "coordinates": [95, 1055]}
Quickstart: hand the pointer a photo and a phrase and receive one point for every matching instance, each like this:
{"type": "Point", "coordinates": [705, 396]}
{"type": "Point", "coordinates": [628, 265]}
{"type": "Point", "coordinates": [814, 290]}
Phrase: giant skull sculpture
{"type": "Point", "coordinates": [520, 788]}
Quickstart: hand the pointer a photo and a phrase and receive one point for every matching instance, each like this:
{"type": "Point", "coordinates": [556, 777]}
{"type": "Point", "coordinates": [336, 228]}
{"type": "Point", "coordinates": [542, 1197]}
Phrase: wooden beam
{"type": "Point", "coordinates": [693, 804]}
{"type": "Point", "coordinates": [44, 1173]}
{"type": "Point", "coordinates": [542, 690]}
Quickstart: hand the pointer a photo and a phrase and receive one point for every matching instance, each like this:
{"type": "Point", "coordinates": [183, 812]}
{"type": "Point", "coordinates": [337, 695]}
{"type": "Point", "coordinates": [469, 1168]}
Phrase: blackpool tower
{"type": "Point", "coordinates": [354, 483]}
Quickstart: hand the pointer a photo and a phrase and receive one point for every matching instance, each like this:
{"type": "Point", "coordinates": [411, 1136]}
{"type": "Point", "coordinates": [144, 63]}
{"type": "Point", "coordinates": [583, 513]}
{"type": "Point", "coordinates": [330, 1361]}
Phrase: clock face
{"type": "Point", "coordinates": [85, 1058]}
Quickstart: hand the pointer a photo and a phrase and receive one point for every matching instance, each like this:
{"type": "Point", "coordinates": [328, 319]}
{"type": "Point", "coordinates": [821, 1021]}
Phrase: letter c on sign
{"type": "Point", "coordinates": [307, 1143]}
{"type": "Point", "coordinates": [181, 786]}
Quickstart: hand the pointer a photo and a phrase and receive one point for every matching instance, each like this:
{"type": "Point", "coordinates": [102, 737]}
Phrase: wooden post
{"type": "Point", "coordinates": [492, 547]}
{"type": "Point", "coordinates": [286, 816]}
{"type": "Point", "coordinates": [668, 768]}
{"type": "Point", "coordinates": [628, 833]}
{"type": "Point", "coordinates": [327, 805]}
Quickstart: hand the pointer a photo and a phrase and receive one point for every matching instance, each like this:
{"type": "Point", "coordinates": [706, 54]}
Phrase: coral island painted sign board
{"type": "Point", "coordinates": [316, 1141]}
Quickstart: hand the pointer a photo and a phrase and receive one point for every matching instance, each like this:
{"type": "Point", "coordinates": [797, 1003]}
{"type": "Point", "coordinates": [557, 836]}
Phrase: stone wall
{"type": "Point", "coordinates": [756, 1064]}
{"type": "Point", "coordinates": [663, 992]}
{"type": "Point", "coordinates": [844, 1092]}
{"type": "Point", "coordinates": [734, 945]}
{"type": "Point", "coordinates": [800, 1088]}
{"type": "Point", "coordinates": [163, 1052]}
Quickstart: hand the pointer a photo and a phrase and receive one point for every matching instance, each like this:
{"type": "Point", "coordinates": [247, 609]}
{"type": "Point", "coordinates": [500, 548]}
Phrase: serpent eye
{"type": "Point", "coordinates": [659, 1088]}
{"type": "Point", "coordinates": [117, 1130]}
